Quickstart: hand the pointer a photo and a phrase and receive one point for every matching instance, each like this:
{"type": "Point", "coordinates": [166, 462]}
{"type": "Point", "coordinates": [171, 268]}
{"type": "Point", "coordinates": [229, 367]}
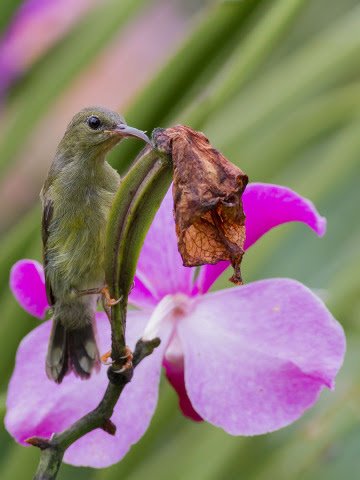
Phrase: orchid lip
{"type": "Point", "coordinates": [126, 131]}
{"type": "Point", "coordinates": [170, 308]}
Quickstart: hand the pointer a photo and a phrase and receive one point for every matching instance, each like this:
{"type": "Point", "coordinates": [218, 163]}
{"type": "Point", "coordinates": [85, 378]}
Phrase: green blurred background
{"type": "Point", "coordinates": [275, 85]}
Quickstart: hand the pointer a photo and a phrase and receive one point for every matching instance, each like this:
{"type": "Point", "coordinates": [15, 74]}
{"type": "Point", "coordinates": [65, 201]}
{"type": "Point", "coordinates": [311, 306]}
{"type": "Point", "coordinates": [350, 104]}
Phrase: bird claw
{"type": "Point", "coordinates": [113, 302]}
{"type": "Point", "coordinates": [129, 358]}
{"type": "Point", "coordinates": [104, 358]}
{"type": "Point", "coordinates": [128, 355]}
{"type": "Point", "coordinates": [110, 302]}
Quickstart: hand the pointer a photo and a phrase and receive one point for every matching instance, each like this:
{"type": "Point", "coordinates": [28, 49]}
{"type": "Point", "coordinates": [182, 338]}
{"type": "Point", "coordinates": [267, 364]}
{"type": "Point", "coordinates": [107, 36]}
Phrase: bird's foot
{"type": "Point", "coordinates": [128, 356]}
{"type": "Point", "coordinates": [110, 302]}
{"type": "Point", "coordinates": [104, 291]}
{"type": "Point", "coordinates": [104, 358]}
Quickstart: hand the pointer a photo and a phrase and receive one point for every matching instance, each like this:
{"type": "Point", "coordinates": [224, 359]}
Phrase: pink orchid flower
{"type": "Point", "coordinates": [247, 359]}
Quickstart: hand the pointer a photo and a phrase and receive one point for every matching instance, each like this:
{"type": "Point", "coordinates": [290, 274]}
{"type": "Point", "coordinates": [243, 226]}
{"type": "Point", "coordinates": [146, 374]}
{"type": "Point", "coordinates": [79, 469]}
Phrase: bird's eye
{"type": "Point", "coordinates": [94, 122]}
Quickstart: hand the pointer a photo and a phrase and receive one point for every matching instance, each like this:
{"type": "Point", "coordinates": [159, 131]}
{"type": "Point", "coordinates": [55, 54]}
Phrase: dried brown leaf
{"type": "Point", "coordinates": [207, 191]}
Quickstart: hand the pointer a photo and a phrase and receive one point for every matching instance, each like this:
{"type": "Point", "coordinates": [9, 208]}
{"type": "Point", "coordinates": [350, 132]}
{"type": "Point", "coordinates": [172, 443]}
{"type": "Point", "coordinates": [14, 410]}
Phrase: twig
{"type": "Point", "coordinates": [53, 449]}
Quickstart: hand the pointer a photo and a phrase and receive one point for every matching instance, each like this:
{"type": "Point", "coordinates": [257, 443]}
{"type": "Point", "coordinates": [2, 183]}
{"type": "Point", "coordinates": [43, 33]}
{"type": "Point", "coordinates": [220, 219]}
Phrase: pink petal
{"type": "Point", "coordinates": [37, 406]}
{"type": "Point", "coordinates": [27, 283]}
{"type": "Point", "coordinates": [175, 375]}
{"type": "Point", "coordinates": [141, 296]}
{"type": "Point", "coordinates": [266, 206]}
{"type": "Point", "coordinates": [160, 266]}
{"type": "Point", "coordinates": [166, 316]}
{"type": "Point", "coordinates": [257, 356]}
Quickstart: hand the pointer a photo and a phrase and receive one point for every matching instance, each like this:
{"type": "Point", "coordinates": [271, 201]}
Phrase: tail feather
{"type": "Point", "coordinates": [83, 352]}
{"type": "Point", "coordinates": [57, 359]}
{"type": "Point", "coordinates": [73, 349]}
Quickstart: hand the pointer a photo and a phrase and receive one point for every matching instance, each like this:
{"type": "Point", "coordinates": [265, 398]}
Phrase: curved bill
{"type": "Point", "coordinates": [126, 131]}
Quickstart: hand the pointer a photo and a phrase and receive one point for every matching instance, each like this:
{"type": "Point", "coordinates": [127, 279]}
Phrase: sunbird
{"type": "Point", "coordinates": [76, 199]}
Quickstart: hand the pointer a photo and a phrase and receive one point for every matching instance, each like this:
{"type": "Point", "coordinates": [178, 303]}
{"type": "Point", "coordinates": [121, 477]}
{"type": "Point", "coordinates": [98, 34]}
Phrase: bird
{"type": "Point", "coordinates": [76, 198]}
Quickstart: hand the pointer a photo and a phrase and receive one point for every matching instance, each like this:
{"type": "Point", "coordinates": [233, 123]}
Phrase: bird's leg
{"type": "Point", "coordinates": [88, 291]}
{"type": "Point", "coordinates": [107, 303]}
{"type": "Point", "coordinates": [104, 291]}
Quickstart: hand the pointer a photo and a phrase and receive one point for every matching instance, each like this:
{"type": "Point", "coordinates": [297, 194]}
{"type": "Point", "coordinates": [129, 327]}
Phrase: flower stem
{"type": "Point", "coordinates": [136, 202]}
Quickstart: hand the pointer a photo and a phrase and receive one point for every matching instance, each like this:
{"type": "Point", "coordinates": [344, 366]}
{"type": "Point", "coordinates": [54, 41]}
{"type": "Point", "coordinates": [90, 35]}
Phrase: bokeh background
{"type": "Point", "coordinates": [275, 85]}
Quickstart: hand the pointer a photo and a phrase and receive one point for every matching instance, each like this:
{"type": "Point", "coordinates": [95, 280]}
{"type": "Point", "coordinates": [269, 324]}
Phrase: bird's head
{"type": "Point", "coordinates": [96, 130]}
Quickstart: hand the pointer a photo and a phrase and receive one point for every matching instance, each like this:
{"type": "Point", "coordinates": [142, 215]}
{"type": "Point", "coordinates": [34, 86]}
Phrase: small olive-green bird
{"type": "Point", "coordinates": [76, 198]}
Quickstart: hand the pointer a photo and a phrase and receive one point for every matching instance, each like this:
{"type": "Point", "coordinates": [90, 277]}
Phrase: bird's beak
{"type": "Point", "coordinates": [126, 131]}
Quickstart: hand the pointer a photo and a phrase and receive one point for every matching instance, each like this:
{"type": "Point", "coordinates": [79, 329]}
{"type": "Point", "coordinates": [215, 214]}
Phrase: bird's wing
{"type": "Point", "coordinates": [48, 209]}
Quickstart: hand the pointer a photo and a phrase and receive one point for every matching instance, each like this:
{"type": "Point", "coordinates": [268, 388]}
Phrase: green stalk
{"type": "Point", "coordinates": [245, 59]}
{"type": "Point", "coordinates": [136, 202]}
{"type": "Point", "coordinates": [164, 464]}
{"type": "Point", "coordinates": [296, 130]}
{"type": "Point", "coordinates": [331, 56]}
{"type": "Point", "coordinates": [344, 287]}
{"type": "Point", "coordinates": [2, 405]}
{"type": "Point", "coordinates": [327, 171]}
{"type": "Point", "coordinates": [7, 10]}
{"type": "Point", "coordinates": [19, 461]}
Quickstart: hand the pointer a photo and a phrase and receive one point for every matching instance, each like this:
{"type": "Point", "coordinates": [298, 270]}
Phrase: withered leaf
{"type": "Point", "coordinates": [207, 191]}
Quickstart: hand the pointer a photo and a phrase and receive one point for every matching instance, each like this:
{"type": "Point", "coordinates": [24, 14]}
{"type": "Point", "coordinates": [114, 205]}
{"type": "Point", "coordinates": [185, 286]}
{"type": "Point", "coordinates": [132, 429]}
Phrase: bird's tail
{"type": "Point", "coordinates": [71, 349]}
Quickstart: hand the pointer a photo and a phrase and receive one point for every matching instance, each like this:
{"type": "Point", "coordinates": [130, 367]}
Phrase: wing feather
{"type": "Point", "coordinates": [48, 210]}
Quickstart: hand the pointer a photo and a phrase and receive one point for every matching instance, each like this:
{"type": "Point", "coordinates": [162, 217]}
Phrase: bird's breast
{"type": "Point", "coordinates": [76, 243]}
